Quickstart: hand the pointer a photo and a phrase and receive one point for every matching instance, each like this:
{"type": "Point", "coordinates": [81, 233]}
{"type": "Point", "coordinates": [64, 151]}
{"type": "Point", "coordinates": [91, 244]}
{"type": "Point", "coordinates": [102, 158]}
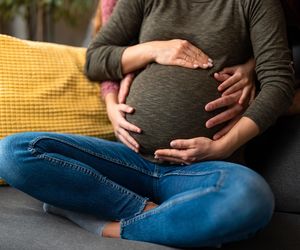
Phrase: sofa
{"type": "Point", "coordinates": [39, 86]}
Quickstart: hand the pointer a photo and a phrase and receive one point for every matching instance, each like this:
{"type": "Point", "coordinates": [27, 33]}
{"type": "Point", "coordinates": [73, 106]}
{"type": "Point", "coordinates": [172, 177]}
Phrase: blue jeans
{"type": "Point", "coordinates": [203, 204]}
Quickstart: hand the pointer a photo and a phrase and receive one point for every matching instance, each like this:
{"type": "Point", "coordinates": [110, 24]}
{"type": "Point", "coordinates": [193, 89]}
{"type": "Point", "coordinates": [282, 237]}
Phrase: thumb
{"type": "Point", "coordinates": [220, 77]}
{"type": "Point", "coordinates": [124, 88]}
{"type": "Point", "coordinates": [228, 70]}
{"type": "Point", "coordinates": [182, 144]}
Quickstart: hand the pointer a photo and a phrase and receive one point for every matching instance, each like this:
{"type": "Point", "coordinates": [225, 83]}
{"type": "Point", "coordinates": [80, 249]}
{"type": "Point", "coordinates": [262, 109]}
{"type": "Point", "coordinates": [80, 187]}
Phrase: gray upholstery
{"type": "Point", "coordinates": [276, 155]}
{"type": "Point", "coordinates": [24, 226]}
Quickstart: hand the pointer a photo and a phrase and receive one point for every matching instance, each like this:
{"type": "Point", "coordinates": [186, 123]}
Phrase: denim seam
{"type": "Point", "coordinates": [216, 188]}
{"type": "Point", "coordinates": [84, 171]}
{"type": "Point", "coordinates": [126, 222]}
{"type": "Point", "coordinates": [114, 160]}
{"type": "Point", "coordinates": [192, 173]}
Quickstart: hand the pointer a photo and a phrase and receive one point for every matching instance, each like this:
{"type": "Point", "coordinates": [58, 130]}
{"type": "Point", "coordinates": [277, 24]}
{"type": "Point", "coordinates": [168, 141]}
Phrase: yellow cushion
{"type": "Point", "coordinates": [43, 88]}
{"type": "Point", "coordinates": [2, 182]}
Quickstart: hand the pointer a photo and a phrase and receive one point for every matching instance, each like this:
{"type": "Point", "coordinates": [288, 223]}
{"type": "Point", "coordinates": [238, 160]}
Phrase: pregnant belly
{"type": "Point", "coordinates": [169, 104]}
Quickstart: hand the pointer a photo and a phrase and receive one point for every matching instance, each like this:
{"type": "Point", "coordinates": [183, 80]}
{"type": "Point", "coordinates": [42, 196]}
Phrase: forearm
{"type": "Point", "coordinates": [103, 58]}
{"type": "Point", "coordinates": [137, 57]}
{"type": "Point", "coordinates": [243, 131]}
{"type": "Point", "coordinates": [110, 99]}
{"type": "Point", "coordinates": [295, 107]}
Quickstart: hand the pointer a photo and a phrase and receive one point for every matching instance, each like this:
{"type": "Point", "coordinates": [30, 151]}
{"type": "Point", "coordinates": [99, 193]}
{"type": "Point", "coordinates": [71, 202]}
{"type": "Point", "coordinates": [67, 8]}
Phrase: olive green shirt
{"type": "Point", "coordinates": [169, 100]}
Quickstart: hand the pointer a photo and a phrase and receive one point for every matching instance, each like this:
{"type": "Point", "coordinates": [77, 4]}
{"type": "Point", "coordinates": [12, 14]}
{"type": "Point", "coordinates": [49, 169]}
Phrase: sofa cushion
{"type": "Point", "coordinates": [25, 226]}
{"type": "Point", "coordinates": [2, 182]}
{"type": "Point", "coordinates": [276, 155]}
{"type": "Point", "coordinates": [43, 88]}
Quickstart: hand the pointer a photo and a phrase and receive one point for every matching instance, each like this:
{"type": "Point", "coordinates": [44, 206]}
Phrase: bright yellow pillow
{"type": "Point", "coordinates": [2, 182]}
{"type": "Point", "coordinates": [43, 88]}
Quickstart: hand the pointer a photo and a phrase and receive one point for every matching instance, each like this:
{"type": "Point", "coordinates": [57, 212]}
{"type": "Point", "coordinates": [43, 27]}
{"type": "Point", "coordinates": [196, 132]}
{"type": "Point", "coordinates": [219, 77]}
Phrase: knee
{"type": "Point", "coordinates": [254, 198]}
{"type": "Point", "coordinates": [14, 154]}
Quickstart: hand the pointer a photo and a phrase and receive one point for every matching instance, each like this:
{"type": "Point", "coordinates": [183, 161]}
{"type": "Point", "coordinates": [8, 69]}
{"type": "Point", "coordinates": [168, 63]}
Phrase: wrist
{"type": "Point", "coordinates": [243, 131]}
{"type": "Point", "coordinates": [137, 57]}
{"type": "Point", "coordinates": [111, 99]}
{"type": "Point", "coordinates": [150, 51]}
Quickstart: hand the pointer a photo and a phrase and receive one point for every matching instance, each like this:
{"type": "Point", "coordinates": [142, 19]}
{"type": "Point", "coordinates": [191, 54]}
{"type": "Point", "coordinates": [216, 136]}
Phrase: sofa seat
{"type": "Point", "coordinates": [24, 226]}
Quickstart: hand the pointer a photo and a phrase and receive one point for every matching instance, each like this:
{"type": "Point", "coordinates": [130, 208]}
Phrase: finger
{"type": "Point", "coordinates": [223, 101]}
{"type": "Point", "coordinates": [129, 127]}
{"type": "Point", "coordinates": [235, 87]}
{"type": "Point", "coordinates": [125, 87]}
{"type": "Point", "coordinates": [229, 82]}
{"type": "Point", "coordinates": [123, 123]}
{"type": "Point", "coordinates": [169, 153]}
{"type": "Point", "coordinates": [189, 57]}
{"type": "Point", "coordinates": [125, 108]}
{"type": "Point", "coordinates": [246, 95]}
{"type": "Point", "coordinates": [184, 63]}
{"type": "Point", "coordinates": [171, 160]}
{"type": "Point", "coordinates": [229, 70]}
{"type": "Point", "coordinates": [224, 130]}
{"type": "Point", "coordinates": [124, 141]}
{"type": "Point", "coordinates": [200, 57]}
{"type": "Point", "coordinates": [224, 116]}
{"type": "Point", "coordinates": [183, 144]}
{"type": "Point", "coordinates": [221, 77]}
{"type": "Point", "coordinates": [253, 94]}
{"type": "Point", "coordinates": [129, 139]}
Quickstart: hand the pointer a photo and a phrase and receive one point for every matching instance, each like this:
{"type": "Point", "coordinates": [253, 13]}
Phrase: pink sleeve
{"type": "Point", "coordinates": [107, 9]}
{"type": "Point", "coordinates": [108, 86]}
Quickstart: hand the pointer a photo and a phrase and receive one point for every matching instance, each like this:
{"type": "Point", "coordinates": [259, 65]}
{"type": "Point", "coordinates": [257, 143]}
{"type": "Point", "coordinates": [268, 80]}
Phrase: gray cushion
{"type": "Point", "coordinates": [23, 225]}
{"type": "Point", "coordinates": [276, 155]}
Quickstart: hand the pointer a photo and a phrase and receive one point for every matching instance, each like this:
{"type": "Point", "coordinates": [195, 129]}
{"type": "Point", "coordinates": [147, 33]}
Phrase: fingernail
{"type": "Point", "coordinates": [195, 66]}
{"type": "Point", "coordinates": [210, 60]}
{"type": "Point", "coordinates": [210, 64]}
{"type": "Point", "coordinates": [205, 65]}
{"type": "Point", "coordinates": [173, 144]}
{"type": "Point", "coordinates": [155, 157]}
{"type": "Point", "coordinates": [208, 125]}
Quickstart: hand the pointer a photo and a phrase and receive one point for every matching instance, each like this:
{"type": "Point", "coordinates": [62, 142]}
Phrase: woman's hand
{"type": "Point", "coordinates": [192, 150]}
{"type": "Point", "coordinates": [237, 101]}
{"type": "Point", "coordinates": [198, 149]}
{"type": "Point", "coordinates": [116, 114]}
{"type": "Point", "coordinates": [125, 87]}
{"type": "Point", "coordinates": [174, 52]}
{"type": "Point", "coordinates": [295, 107]}
{"type": "Point", "coordinates": [180, 53]}
{"type": "Point", "coordinates": [242, 77]}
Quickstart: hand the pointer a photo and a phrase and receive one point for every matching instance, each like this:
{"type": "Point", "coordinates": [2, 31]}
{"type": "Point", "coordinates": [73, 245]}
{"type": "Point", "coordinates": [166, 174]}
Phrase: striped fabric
{"type": "Point", "coordinates": [43, 88]}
